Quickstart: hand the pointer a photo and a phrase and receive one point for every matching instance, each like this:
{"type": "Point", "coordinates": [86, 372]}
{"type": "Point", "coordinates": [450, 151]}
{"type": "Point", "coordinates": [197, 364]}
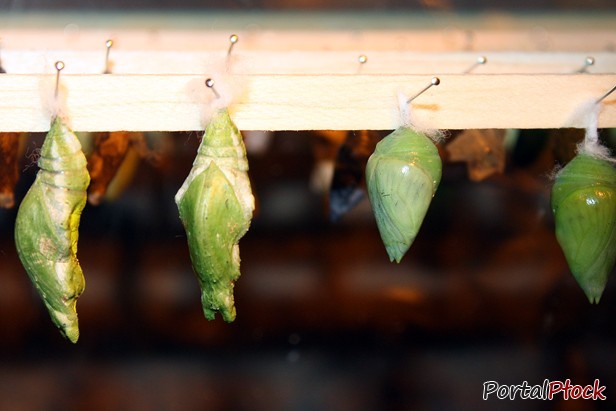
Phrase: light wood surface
{"type": "Point", "coordinates": [306, 102]}
{"type": "Point", "coordinates": [300, 71]}
{"type": "Point", "coordinates": [424, 40]}
{"type": "Point", "coordinates": [304, 62]}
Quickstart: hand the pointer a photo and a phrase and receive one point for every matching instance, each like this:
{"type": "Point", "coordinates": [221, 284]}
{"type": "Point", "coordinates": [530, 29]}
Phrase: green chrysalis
{"type": "Point", "coordinates": [402, 176]}
{"type": "Point", "coordinates": [216, 204]}
{"type": "Point", "coordinates": [584, 207]}
{"type": "Point", "coordinates": [46, 229]}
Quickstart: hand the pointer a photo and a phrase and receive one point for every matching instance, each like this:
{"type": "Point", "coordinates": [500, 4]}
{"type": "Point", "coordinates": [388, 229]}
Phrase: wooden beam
{"type": "Point", "coordinates": [302, 62]}
{"type": "Point", "coordinates": [420, 40]}
{"type": "Point", "coordinates": [306, 102]}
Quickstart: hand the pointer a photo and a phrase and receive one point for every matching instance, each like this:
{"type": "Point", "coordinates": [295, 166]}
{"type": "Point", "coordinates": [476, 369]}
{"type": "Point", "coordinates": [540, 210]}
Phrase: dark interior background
{"type": "Point", "coordinates": [325, 321]}
{"type": "Point", "coordinates": [455, 5]}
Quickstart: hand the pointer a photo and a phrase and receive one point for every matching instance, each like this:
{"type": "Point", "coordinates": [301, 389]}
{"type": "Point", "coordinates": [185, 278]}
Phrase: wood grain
{"type": "Point", "coordinates": [303, 62]}
{"type": "Point", "coordinates": [306, 102]}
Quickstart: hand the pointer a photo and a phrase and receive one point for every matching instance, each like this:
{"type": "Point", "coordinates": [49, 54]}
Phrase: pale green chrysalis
{"type": "Point", "coordinates": [402, 176]}
{"type": "Point", "coordinates": [216, 204]}
{"type": "Point", "coordinates": [46, 229]}
{"type": "Point", "coordinates": [584, 207]}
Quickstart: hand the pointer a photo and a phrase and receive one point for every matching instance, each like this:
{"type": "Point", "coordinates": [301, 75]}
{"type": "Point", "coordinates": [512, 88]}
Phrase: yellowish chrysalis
{"type": "Point", "coordinates": [216, 205]}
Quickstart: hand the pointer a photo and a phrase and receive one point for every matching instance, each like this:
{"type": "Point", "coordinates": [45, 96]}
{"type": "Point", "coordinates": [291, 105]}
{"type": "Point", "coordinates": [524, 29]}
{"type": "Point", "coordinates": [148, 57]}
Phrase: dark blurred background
{"type": "Point", "coordinates": [325, 321]}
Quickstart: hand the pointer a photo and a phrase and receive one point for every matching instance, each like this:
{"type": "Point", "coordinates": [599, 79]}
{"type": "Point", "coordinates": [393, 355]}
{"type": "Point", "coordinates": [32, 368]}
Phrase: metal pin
{"type": "Point", "coordinates": [108, 44]}
{"type": "Point", "coordinates": [480, 61]}
{"type": "Point", "coordinates": [362, 59]}
{"type": "Point", "coordinates": [59, 67]}
{"type": "Point", "coordinates": [589, 61]}
{"type": "Point", "coordinates": [434, 82]}
{"type": "Point", "coordinates": [232, 39]}
{"type": "Point", "coordinates": [210, 84]}
{"type": "Point", "coordinates": [603, 97]}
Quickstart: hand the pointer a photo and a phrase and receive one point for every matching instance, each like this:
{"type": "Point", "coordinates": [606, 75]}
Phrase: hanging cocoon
{"type": "Point", "coordinates": [402, 176]}
{"type": "Point", "coordinates": [46, 229]}
{"type": "Point", "coordinates": [216, 205]}
{"type": "Point", "coordinates": [584, 207]}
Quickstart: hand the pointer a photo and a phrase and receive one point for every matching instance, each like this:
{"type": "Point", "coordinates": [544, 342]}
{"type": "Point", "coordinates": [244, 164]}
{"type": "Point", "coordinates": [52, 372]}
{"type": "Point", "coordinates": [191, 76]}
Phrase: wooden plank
{"type": "Point", "coordinates": [305, 102]}
{"type": "Point", "coordinates": [301, 62]}
{"type": "Point", "coordinates": [424, 40]}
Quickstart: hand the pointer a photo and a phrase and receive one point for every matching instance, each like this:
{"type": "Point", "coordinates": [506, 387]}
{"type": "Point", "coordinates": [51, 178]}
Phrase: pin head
{"type": "Point", "coordinates": [59, 66]}
{"type": "Point", "coordinates": [434, 82]}
{"type": "Point", "coordinates": [362, 59]}
{"type": "Point", "coordinates": [481, 60]}
{"type": "Point", "coordinates": [210, 84]}
{"type": "Point", "coordinates": [588, 61]}
{"type": "Point", "coordinates": [232, 40]}
{"type": "Point", "coordinates": [108, 44]}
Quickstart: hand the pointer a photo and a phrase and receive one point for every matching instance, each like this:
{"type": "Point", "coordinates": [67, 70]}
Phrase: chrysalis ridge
{"type": "Point", "coordinates": [46, 229]}
{"type": "Point", "coordinates": [216, 205]}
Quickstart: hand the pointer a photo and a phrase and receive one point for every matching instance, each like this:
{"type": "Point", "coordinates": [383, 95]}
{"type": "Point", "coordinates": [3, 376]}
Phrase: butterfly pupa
{"type": "Point", "coordinates": [584, 207]}
{"type": "Point", "coordinates": [216, 205]}
{"type": "Point", "coordinates": [47, 224]}
{"type": "Point", "coordinates": [402, 176]}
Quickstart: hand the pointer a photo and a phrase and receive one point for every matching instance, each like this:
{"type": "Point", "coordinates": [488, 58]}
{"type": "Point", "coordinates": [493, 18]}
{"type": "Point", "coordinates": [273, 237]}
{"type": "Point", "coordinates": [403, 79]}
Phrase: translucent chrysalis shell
{"type": "Point", "coordinates": [402, 176]}
{"type": "Point", "coordinates": [46, 229]}
{"type": "Point", "coordinates": [584, 206]}
{"type": "Point", "coordinates": [216, 204]}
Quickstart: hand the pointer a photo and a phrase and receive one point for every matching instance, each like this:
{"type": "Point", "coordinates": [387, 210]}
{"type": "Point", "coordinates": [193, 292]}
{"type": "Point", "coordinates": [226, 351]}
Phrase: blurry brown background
{"type": "Point", "coordinates": [325, 321]}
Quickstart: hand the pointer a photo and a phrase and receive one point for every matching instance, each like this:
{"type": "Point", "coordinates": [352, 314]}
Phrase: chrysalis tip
{"type": "Point", "coordinates": [593, 293]}
{"type": "Point", "coordinates": [72, 333]}
{"type": "Point", "coordinates": [227, 312]}
{"type": "Point", "coordinates": [396, 253]}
